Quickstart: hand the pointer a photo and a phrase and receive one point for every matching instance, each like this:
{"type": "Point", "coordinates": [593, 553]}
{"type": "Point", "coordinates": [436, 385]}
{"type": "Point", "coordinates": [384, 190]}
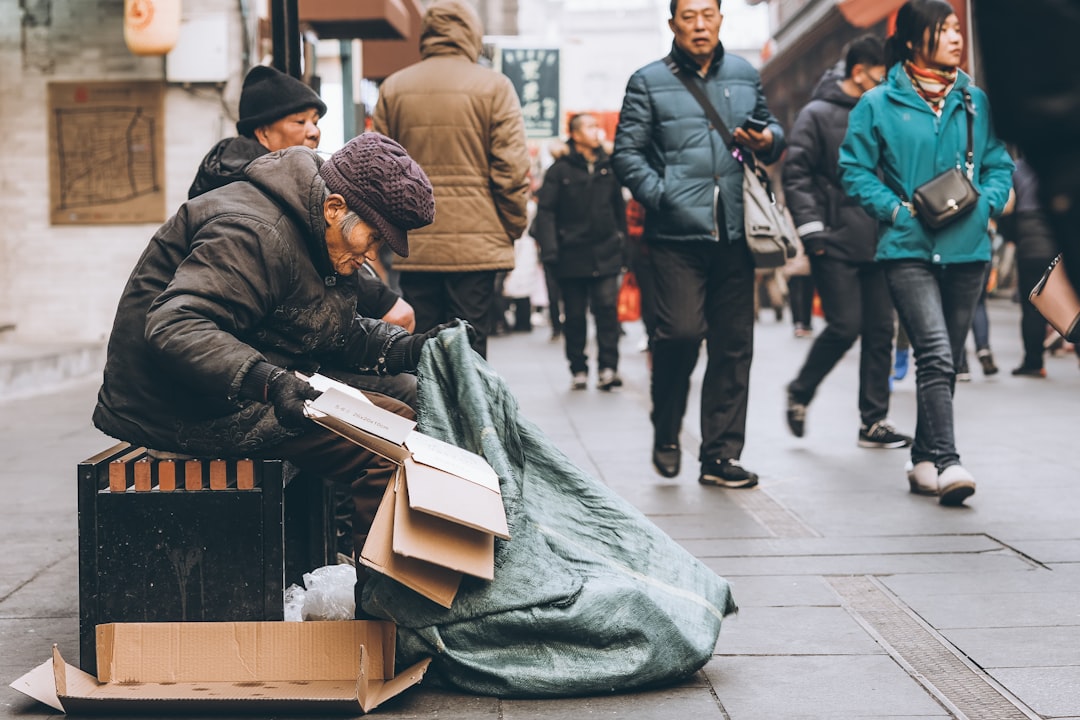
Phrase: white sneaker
{"type": "Point", "coordinates": [955, 484]}
{"type": "Point", "coordinates": [579, 381]}
{"type": "Point", "coordinates": [923, 477]}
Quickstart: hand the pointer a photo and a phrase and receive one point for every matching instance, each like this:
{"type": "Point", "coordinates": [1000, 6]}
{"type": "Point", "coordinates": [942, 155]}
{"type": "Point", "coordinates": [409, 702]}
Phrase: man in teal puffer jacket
{"type": "Point", "coordinates": [679, 169]}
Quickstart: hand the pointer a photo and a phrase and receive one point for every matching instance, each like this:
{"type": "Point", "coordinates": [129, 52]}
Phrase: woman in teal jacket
{"type": "Point", "coordinates": [899, 136]}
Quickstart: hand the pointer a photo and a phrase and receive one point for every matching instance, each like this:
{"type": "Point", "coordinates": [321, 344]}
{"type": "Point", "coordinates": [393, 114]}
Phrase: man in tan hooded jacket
{"type": "Point", "coordinates": [462, 122]}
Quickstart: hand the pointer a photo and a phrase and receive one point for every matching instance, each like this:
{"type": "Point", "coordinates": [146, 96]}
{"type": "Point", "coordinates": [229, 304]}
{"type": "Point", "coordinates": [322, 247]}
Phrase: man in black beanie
{"type": "Point", "coordinates": [251, 284]}
{"type": "Point", "coordinates": [278, 111]}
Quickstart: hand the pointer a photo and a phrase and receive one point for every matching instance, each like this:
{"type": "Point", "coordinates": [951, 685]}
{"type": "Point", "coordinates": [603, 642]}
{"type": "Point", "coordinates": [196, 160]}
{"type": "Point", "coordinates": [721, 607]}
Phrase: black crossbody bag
{"type": "Point", "coordinates": [951, 195]}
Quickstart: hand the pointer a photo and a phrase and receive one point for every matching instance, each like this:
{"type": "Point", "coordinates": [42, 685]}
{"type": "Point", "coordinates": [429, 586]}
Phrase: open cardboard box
{"type": "Point", "coordinates": [441, 513]}
{"type": "Point", "coordinates": [339, 667]}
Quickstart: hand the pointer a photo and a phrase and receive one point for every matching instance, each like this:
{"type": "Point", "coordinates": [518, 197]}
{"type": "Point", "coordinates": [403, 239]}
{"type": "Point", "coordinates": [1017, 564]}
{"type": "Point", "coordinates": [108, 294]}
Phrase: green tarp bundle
{"type": "Point", "coordinates": [589, 596]}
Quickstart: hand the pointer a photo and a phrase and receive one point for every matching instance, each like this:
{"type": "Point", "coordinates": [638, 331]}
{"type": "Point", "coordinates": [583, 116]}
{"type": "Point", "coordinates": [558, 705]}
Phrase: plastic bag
{"type": "Point", "coordinates": [328, 595]}
{"type": "Point", "coordinates": [629, 299]}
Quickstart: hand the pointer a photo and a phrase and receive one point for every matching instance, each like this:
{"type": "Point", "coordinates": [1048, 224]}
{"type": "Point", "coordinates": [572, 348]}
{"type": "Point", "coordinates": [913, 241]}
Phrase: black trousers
{"type": "Point", "coordinates": [439, 297]}
{"type": "Point", "coordinates": [601, 295]}
{"type": "Point", "coordinates": [856, 302]}
{"type": "Point", "coordinates": [703, 291]}
{"type": "Point", "coordinates": [801, 299]}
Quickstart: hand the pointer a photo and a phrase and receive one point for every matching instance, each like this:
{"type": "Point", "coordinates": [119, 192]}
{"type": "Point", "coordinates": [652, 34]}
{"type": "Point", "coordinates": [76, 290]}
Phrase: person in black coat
{"type": "Point", "coordinates": [581, 226]}
{"type": "Point", "coordinates": [840, 240]}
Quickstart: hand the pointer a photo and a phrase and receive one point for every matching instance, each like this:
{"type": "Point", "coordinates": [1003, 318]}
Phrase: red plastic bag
{"type": "Point", "coordinates": [629, 299]}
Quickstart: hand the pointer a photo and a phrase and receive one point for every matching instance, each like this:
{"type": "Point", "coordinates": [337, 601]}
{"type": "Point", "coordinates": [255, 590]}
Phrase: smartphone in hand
{"type": "Point", "coordinates": [755, 125]}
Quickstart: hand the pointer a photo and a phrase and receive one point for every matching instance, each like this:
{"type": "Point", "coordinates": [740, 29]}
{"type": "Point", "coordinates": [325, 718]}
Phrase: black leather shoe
{"type": "Point", "coordinates": [665, 458]}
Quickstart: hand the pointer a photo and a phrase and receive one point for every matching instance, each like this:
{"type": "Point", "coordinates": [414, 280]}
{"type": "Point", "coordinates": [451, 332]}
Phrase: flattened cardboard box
{"type": "Point", "coordinates": [339, 667]}
{"type": "Point", "coordinates": [441, 513]}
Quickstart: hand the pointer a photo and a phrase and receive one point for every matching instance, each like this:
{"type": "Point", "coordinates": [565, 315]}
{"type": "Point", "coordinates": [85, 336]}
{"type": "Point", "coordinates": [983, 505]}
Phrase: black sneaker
{"type": "Point", "coordinates": [796, 415]}
{"type": "Point", "coordinates": [883, 435]}
{"type": "Point", "coordinates": [727, 473]}
{"type": "Point", "coordinates": [986, 359]}
{"type": "Point", "coordinates": [665, 458]}
{"type": "Point", "coordinates": [608, 379]}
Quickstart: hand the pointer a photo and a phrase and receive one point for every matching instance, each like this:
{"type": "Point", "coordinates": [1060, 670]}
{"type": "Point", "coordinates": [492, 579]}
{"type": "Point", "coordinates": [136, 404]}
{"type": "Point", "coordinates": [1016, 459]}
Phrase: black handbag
{"type": "Point", "coordinates": [951, 195]}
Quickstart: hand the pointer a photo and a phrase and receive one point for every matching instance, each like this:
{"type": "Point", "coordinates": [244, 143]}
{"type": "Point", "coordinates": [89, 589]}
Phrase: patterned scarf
{"type": "Point", "coordinates": [932, 85]}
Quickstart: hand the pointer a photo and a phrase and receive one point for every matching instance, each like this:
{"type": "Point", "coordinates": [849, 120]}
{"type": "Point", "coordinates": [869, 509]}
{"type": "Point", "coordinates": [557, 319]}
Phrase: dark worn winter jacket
{"type": "Point", "coordinates": [670, 158]}
{"type": "Point", "coordinates": [829, 222]}
{"type": "Point", "coordinates": [225, 164]}
{"type": "Point", "coordinates": [581, 218]}
{"type": "Point", "coordinates": [239, 275]}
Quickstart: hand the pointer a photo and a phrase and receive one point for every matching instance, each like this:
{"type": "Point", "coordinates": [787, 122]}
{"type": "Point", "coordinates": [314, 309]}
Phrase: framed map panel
{"type": "Point", "coordinates": [106, 152]}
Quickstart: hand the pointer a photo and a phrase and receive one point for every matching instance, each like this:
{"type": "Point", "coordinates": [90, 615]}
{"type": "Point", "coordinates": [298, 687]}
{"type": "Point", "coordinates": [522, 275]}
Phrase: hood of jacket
{"type": "Point", "coordinates": [829, 90]}
{"type": "Point", "coordinates": [451, 27]}
{"type": "Point", "coordinates": [225, 164]}
{"type": "Point", "coordinates": [291, 178]}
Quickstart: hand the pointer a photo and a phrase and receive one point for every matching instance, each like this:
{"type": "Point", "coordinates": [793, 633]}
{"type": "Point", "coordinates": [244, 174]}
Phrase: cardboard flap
{"type": "Point", "coordinates": [364, 415]}
{"type": "Point", "coordinates": [40, 684]}
{"type": "Point", "coordinates": [456, 499]}
{"type": "Point", "coordinates": [375, 444]}
{"type": "Point", "coordinates": [405, 680]}
{"type": "Point", "coordinates": [457, 461]}
{"type": "Point", "coordinates": [436, 540]}
{"type": "Point", "coordinates": [437, 583]}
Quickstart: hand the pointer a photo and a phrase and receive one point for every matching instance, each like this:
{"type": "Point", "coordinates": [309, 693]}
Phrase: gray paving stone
{"type": "Point", "coordinates": [52, 592]}
{"type": "Point", "coordinates": [1017, 580]}
{"type": "Point", "coordinates": [1050, 551]}
{"type": "Point", "coordinates": [428, 702]}
{"type": "Point", "coordinates": [782, 591]}
{"type": "Point", "coordinates": [864, 564]}
{"type": "Point", "coordinates": [794, 631]}
{"type": "Point", "coordinates": [716, 526]}
{"type": "Point", "coordinates": [1049, 691]}
{"type": "Point", "coordinates": [999, 610]}
{"type": "Point", "coordinates": [697, 703]}
{"type": "Point", "coordinates": [897, 545]}
{"type": "Point", "coordinates": [812, 687]}
{"type": "Point", "coordinates": [1019, 647]}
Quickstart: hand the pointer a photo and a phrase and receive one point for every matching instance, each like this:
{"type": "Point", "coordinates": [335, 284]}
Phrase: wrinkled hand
{"type": "Point", "coordinates": [287, 393]}
{"type": "Point", "coordinates": [404, 354]}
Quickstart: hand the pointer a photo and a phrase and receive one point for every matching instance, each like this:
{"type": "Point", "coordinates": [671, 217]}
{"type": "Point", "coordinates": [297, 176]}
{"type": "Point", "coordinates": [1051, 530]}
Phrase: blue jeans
{"type": "Point", "coordinates": [935, 304]}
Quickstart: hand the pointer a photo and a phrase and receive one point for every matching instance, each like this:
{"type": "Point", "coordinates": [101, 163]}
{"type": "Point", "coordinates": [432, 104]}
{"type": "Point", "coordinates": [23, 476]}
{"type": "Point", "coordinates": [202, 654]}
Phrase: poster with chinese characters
{"type": "Point", "coordinates": [535, 75]}
{"type": "Point", "coordinates": [106, 152]}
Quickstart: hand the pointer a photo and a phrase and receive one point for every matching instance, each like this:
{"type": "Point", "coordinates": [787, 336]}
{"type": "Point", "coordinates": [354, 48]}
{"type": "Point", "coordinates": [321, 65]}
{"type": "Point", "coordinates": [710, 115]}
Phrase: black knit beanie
{"type": "Point", "coordinates": [270, 95]}
{"type": "Point", "coordinates": [383, 185]}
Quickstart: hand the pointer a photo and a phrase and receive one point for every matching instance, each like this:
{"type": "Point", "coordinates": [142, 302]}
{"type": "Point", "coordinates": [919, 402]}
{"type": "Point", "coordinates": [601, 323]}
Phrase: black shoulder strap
{"type": "Point", "coordinates": [699, 95]}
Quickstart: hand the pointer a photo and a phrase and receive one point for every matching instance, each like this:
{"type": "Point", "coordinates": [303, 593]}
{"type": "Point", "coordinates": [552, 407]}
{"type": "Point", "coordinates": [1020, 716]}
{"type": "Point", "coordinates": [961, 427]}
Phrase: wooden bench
{"type": "Point", "coordinates": [167, 538]}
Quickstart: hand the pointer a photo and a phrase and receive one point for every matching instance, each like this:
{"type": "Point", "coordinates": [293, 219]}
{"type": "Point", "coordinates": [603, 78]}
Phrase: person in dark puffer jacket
{"type": "Point", "coordinates": [581, 229]}
{"type": "Point", "coordinates": [677, 166]}
{"type": "Point", "coordinates": [840, 240]}
{"type": "Point", "coordinates": [251, 282]}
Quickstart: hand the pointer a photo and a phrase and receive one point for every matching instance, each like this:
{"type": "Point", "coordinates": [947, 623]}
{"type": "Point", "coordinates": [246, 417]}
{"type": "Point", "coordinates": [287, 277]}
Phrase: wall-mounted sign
{"type": "Point", "coordinates": [535, 75]}
{"type": "Point", "coordinates": [106, 152]}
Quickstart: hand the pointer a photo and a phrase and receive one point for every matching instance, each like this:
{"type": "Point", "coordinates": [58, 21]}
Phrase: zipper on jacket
{"type": "Point", "coordinates": [715, 214]}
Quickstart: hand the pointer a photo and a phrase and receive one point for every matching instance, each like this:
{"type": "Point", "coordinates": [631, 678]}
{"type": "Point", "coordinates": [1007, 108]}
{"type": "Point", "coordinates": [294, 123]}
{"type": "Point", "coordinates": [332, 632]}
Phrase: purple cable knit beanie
{"type": "Point", "coordinates": [383, 185]}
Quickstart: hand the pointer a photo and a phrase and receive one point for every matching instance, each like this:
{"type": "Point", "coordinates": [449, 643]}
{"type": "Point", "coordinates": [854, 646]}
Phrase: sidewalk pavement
{"type": "Point", "coordinates": [857, 599]}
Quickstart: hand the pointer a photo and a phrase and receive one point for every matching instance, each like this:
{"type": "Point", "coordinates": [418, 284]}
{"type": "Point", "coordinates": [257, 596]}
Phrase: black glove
{"type": "Point", "coordinates": [404, 354]}
{"type": "Point", "coordinates": [287, 393]}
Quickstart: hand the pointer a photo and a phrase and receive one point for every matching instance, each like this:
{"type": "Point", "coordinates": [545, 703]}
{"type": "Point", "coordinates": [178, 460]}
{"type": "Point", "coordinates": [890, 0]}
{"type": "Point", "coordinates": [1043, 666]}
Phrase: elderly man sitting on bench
{"type": "Point", "coordinates": [253, 281]}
